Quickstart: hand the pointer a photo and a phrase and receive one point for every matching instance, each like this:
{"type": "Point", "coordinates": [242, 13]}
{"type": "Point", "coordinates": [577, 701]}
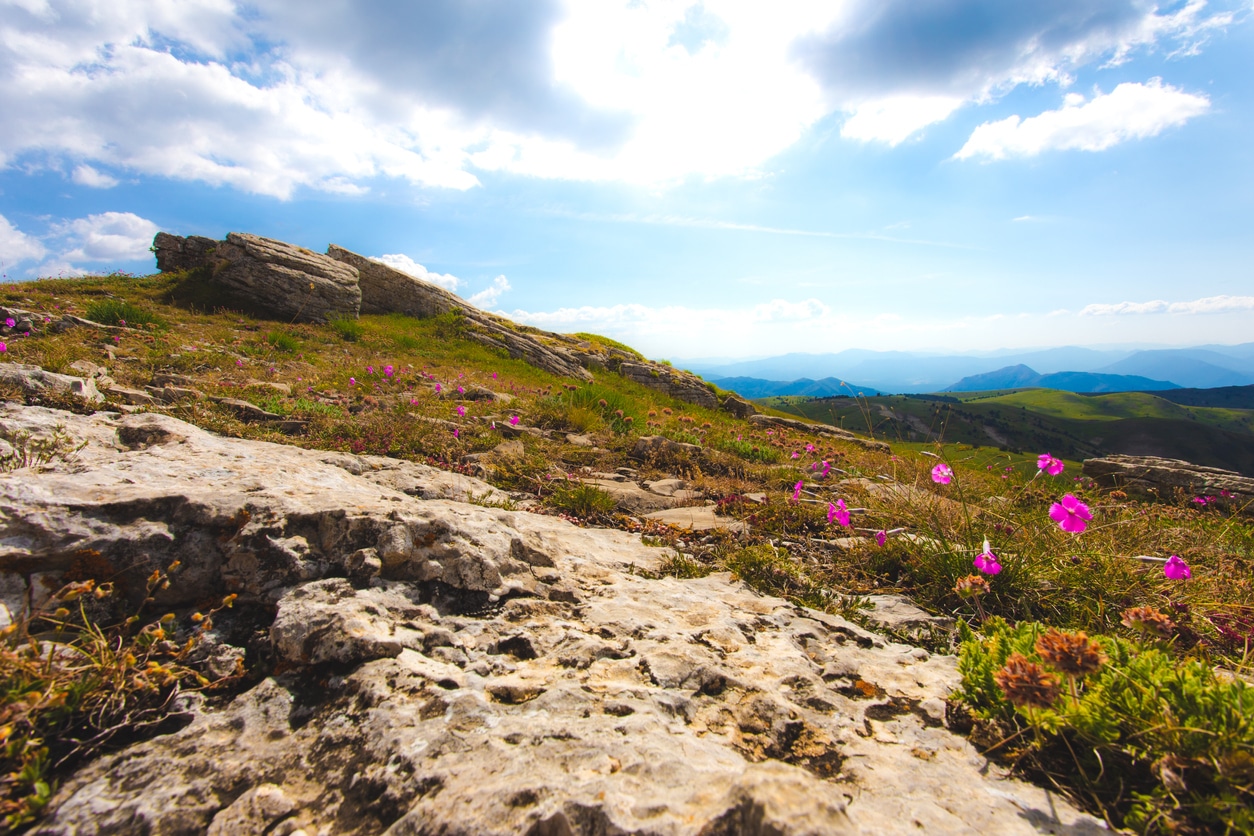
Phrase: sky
{"type": "Point", "coordinates": [713, 179]}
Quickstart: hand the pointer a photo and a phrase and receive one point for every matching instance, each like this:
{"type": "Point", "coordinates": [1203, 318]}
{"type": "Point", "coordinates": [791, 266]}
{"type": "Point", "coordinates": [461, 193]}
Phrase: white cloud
{"type": "Point", "coordinates": [85, 175]}
{"type": "Point", "coordinates": [16, 246]}
{"type": "Point", "coordinates": [109, 236]}
{"type": "Point", "coordinates": [488, 297]}
{"type": "Point", "coordinates": [895, 119]}
{"type": "Point", "coordinates": [273, 97]}
{"type": "Point", "coordinates": [402, 262]}
{"type": "Point", "coordinates": [1130, 111]}
{"type": "Point", "coordinates": [1207, 305]}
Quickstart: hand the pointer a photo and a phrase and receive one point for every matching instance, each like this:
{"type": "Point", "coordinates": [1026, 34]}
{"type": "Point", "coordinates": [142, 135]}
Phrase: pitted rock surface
{"type": "Point", "coordinates": [1163, 477]}
{"type": "Point", "coordinates": [448, 668]}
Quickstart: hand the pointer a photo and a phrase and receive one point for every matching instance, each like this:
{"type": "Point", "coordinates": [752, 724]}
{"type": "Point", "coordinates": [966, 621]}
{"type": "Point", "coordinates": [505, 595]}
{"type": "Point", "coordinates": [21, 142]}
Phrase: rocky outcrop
{"type": "Point", "coordinates": [35, 379]}
{"type": "Point", "coordinates": [1148, 475]}
{"type": "Point", "coordinates": [826, 430]}
{"type": "Point", "coordinates": [285, 280]}
{"type": "Point", "coordinates": [385, 289]}
{"type": "Point", "coordinates": [738, 407]}
{"type": "Point", "coordinates": [447, 668]}
{"type": "Point", "coordinates": [682, 385]}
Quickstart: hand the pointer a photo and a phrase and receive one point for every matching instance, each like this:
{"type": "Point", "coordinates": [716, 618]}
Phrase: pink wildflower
{"type": "Point", "coordinates": [1071, 514]}
{"type": "Point", "coordinates": [352, 381]}
{"type": "Point", "coordinates": [838, 512]}
{"type": "Point", "coordinates": [461, 390]}
{"type": "Point", "coordinates": [494, 375]}
{"type": "Point", "coordinates": [513, 420]}
{"type": "Point", "coordinates": [796, 455]}
{"type": "Point", "coordinates": [796, 491]}
{"type": "Point", "coordinates": [1049, 464]}
{"type": "Point", "coordinates": [986, 561]}
{"type": "Point", "coordinates": [437, 388]}
{"type": "Point", "coordinates": [461, 411]}
{"type": "Point", "coordinates": [881, 537]}
{"type": "Point", "coordinates": [369, 369]}
{"type": "Point", "coordinates": [942, 474]}
{"type": "Point", "coordinates": [809, 448]}
{"type": "Point", "coordinates": [457, 433]}
{"type": "Point", "coordinates": [10, 322]}
{"type": "Point", "coordinates": [1176, 569]}
{"type": "Point", "coordinates": [388, 370]}
{"type": "Point", "coordinates": [3, 348]}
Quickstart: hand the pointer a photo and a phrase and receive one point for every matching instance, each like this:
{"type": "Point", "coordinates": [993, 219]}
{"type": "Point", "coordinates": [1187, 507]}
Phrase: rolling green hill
{"type": "Point", "coordinates": [1064, 423]}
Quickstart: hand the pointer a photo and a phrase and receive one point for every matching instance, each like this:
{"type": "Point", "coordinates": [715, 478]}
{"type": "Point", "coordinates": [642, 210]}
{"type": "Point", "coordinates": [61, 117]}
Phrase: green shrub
{"type": "Point", "coordinates": [749, 451]}
{"type": "Point", "coordinates": [1160, 744]}
{"type": "Point", "coordinates": [121, 312]}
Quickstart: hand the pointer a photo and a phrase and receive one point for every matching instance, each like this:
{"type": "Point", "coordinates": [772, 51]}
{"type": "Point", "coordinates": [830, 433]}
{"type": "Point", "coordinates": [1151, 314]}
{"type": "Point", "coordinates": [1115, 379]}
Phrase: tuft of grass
{"type": "Point", "coordinates": [581, 500]}
{"type": "Point", "coordinates": [282, 341]}
{"type": "Point", "coordinates": [346, 327]}
{"type": "Point", "coordinates": [122, 312]}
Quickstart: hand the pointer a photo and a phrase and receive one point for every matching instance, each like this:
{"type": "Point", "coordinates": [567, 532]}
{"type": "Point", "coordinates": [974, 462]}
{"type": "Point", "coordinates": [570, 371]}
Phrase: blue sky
{"type": "Point", "coordinates": [699, 179]}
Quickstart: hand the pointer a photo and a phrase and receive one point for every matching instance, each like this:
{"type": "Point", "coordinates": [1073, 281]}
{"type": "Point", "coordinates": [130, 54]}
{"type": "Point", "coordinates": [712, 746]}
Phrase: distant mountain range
{"type": "Point", "coordinates": [1201, 367]}
{"type": "Point", "coordinates": [1022, 377]}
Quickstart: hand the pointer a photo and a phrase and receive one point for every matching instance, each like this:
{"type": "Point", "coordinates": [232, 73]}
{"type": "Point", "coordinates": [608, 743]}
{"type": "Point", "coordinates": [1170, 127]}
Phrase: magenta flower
{"type": "Point", "coordinates": [1199, 500]}
{"type": "Point", "coordinates": [796, 491]}
{"type": "Point", "coordinates": [369, 369]}
{"type": "Point", "coordinates": [461, 411]}
{"type": "Point", "coordinates": [809, 448]}
{"type": "Point", "coordinates": [388, 370]}
{"type": "Point", "coordinates": [352, 381]}
{"type": "Point", "coordinates": [3, 348]}
{"type": "Point", "coordinates": [513, 420]}
{"type": "Point", "coordinates": [796, 455]}
{"type": "Point", "coordinates": [881, 537]}
{"type": "Point", "coordinates": [494, 375]}
{"type": "Point", "coordinates": [1071, 514]}
{"type": "Point", "coordinates": [838, 512]}
{"type": "Point", "coordinates": [461, 390]}
{"type": "Point", "coordinates": [986, 561]}
{"type": "Point", "coordinates": [1176, 569]}
{"type": "Point", "coordinates": [437, 388]}
{"type": "Point", "coordinates": [457, 433]}
{"type": "Point", "coordinates": [942, 474]}
{"type": "Point", "coordinates": [10, 322]}
{"type": "Point", "coordinates": [1049, 464]}
{"type": "Point", "coordinates": [239, 363]}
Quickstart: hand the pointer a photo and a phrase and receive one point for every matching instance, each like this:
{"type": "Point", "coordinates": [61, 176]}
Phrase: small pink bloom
{"type": "Point", "coordinates": [796, 491]}
{"type": "Point", "coordinates": [881, 537]}
{"type": "Point", "coordinates": [461, 411]}
{"type": "Point", "coordinates": [352, 381]}
{"type": "Point", "coordinates": [1199, 500]}
{"type": "Point", "coordinates": [1176, 569]}
{"type": "Point", "coordinates": [461, 390]}
{"type": "Point", "coordinates": [437, 388]}
{"type": "Point", "coordinates": [3, 348]}
{"type": "Point", "coordinates": [809, 448]}
{"type": "Point", "coordinates": [369, 369]}
{"type": "Point", "coordinates": [10, 322]}
{"type": "Point", "coordinates": [796, 455]}
{"type": "Point", "coordinates": [1071, 514]}
{"type": "Point", "coordinates": [457, 433]}
{"type": "Point", "coordinates": [838, 513]}
{"type": "Point", "coordinates": [513, 420]}
{"type": "Point", "coordinates": [388, 370]}
{"type": "Point", "coordinates": [986, 561]}
{"type": "Point", "coordinates": [239, 363]}
{"type": "Point", "coordinates": [494, 375]}
{"type": "Point", "coordinates": [942, 474]}
{"type": "Point", "coordinates": [1049, 464]}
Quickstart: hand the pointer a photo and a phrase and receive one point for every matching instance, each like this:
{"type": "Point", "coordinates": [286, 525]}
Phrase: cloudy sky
{"type": "Point", "coordinates": [723, 178]}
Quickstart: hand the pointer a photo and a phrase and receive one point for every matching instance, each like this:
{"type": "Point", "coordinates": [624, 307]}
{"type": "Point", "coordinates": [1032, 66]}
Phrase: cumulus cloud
{"type": "Point", "coordinates": [109, 236]}
{"type": "Point", "coordinates": [1207, 305]}
{"type": "Point", "coordinates": [16, 246]}
{"type": "Point", "coordinates": [1130, 111]}
{"type": "Point", "coordinates": [402, 262]}
{"type": "Point", "coordinates": [272, 97]}
{"type": "Point", "coordinates": [488, 297]}
{"type": "Point", "coordinates": [85, 175]}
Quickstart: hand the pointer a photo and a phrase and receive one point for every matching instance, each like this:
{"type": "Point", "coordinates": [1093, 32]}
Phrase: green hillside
{"type": "Point", "coordinates": [1067, 424]}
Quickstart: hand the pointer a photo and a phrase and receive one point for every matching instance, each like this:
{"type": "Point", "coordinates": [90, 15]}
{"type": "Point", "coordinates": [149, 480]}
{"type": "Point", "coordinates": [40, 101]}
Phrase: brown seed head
{"type": "Point", "coordinates": [1146, 620]}
{"type": "Point", "coordinates": [1075, 654]}
{"type": "Point", "coordinates": [972, 586]}
{"type": "Point", "coordinates": [1026, 684]}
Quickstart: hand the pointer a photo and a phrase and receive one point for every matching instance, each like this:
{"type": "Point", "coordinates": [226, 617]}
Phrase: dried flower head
{"type": "Point", "coordinates": [1147, 620]}
{"type": "Point", "coordinates": [972, 586]}
{"type": "Point", "coordinates": [1075, 654]}
{"type": "Point", "coordinates": [1026, 684]}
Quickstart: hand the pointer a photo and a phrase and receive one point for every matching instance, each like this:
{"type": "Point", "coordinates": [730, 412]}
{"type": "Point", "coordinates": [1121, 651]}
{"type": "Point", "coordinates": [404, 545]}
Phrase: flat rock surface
{"type": "Point", "coordinates": [453, 669]}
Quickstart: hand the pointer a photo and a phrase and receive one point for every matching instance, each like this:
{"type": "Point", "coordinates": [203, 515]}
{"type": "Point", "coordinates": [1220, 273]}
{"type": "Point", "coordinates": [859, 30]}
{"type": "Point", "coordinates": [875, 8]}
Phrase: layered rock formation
{"type": "Point", "coordinates": [439, 667]}
{"type": "Point", "coordinates": [1149, 475]}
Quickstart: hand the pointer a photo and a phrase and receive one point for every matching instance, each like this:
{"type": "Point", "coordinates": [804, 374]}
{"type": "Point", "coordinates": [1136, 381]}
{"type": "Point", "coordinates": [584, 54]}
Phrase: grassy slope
{"type": "Point", "coordinates": [1073, 581]}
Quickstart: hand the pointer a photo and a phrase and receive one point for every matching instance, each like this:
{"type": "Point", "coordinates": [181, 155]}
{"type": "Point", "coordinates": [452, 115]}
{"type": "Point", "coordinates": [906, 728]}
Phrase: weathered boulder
{"type": "Point", "coordinates": [280, 278]}
{"type": "Point", "coordinates": [35, 379]}
{"type": "Point", "coordinates": [385, 289]}
{"type": "Point", "coordinates": [683, 385]}
{"type": "Point", "coordinates": [738, 407]}
{"type": "Point", "coordinates": [1163, 477]}
{"type": "Point", "coordinates": [448, 668]}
